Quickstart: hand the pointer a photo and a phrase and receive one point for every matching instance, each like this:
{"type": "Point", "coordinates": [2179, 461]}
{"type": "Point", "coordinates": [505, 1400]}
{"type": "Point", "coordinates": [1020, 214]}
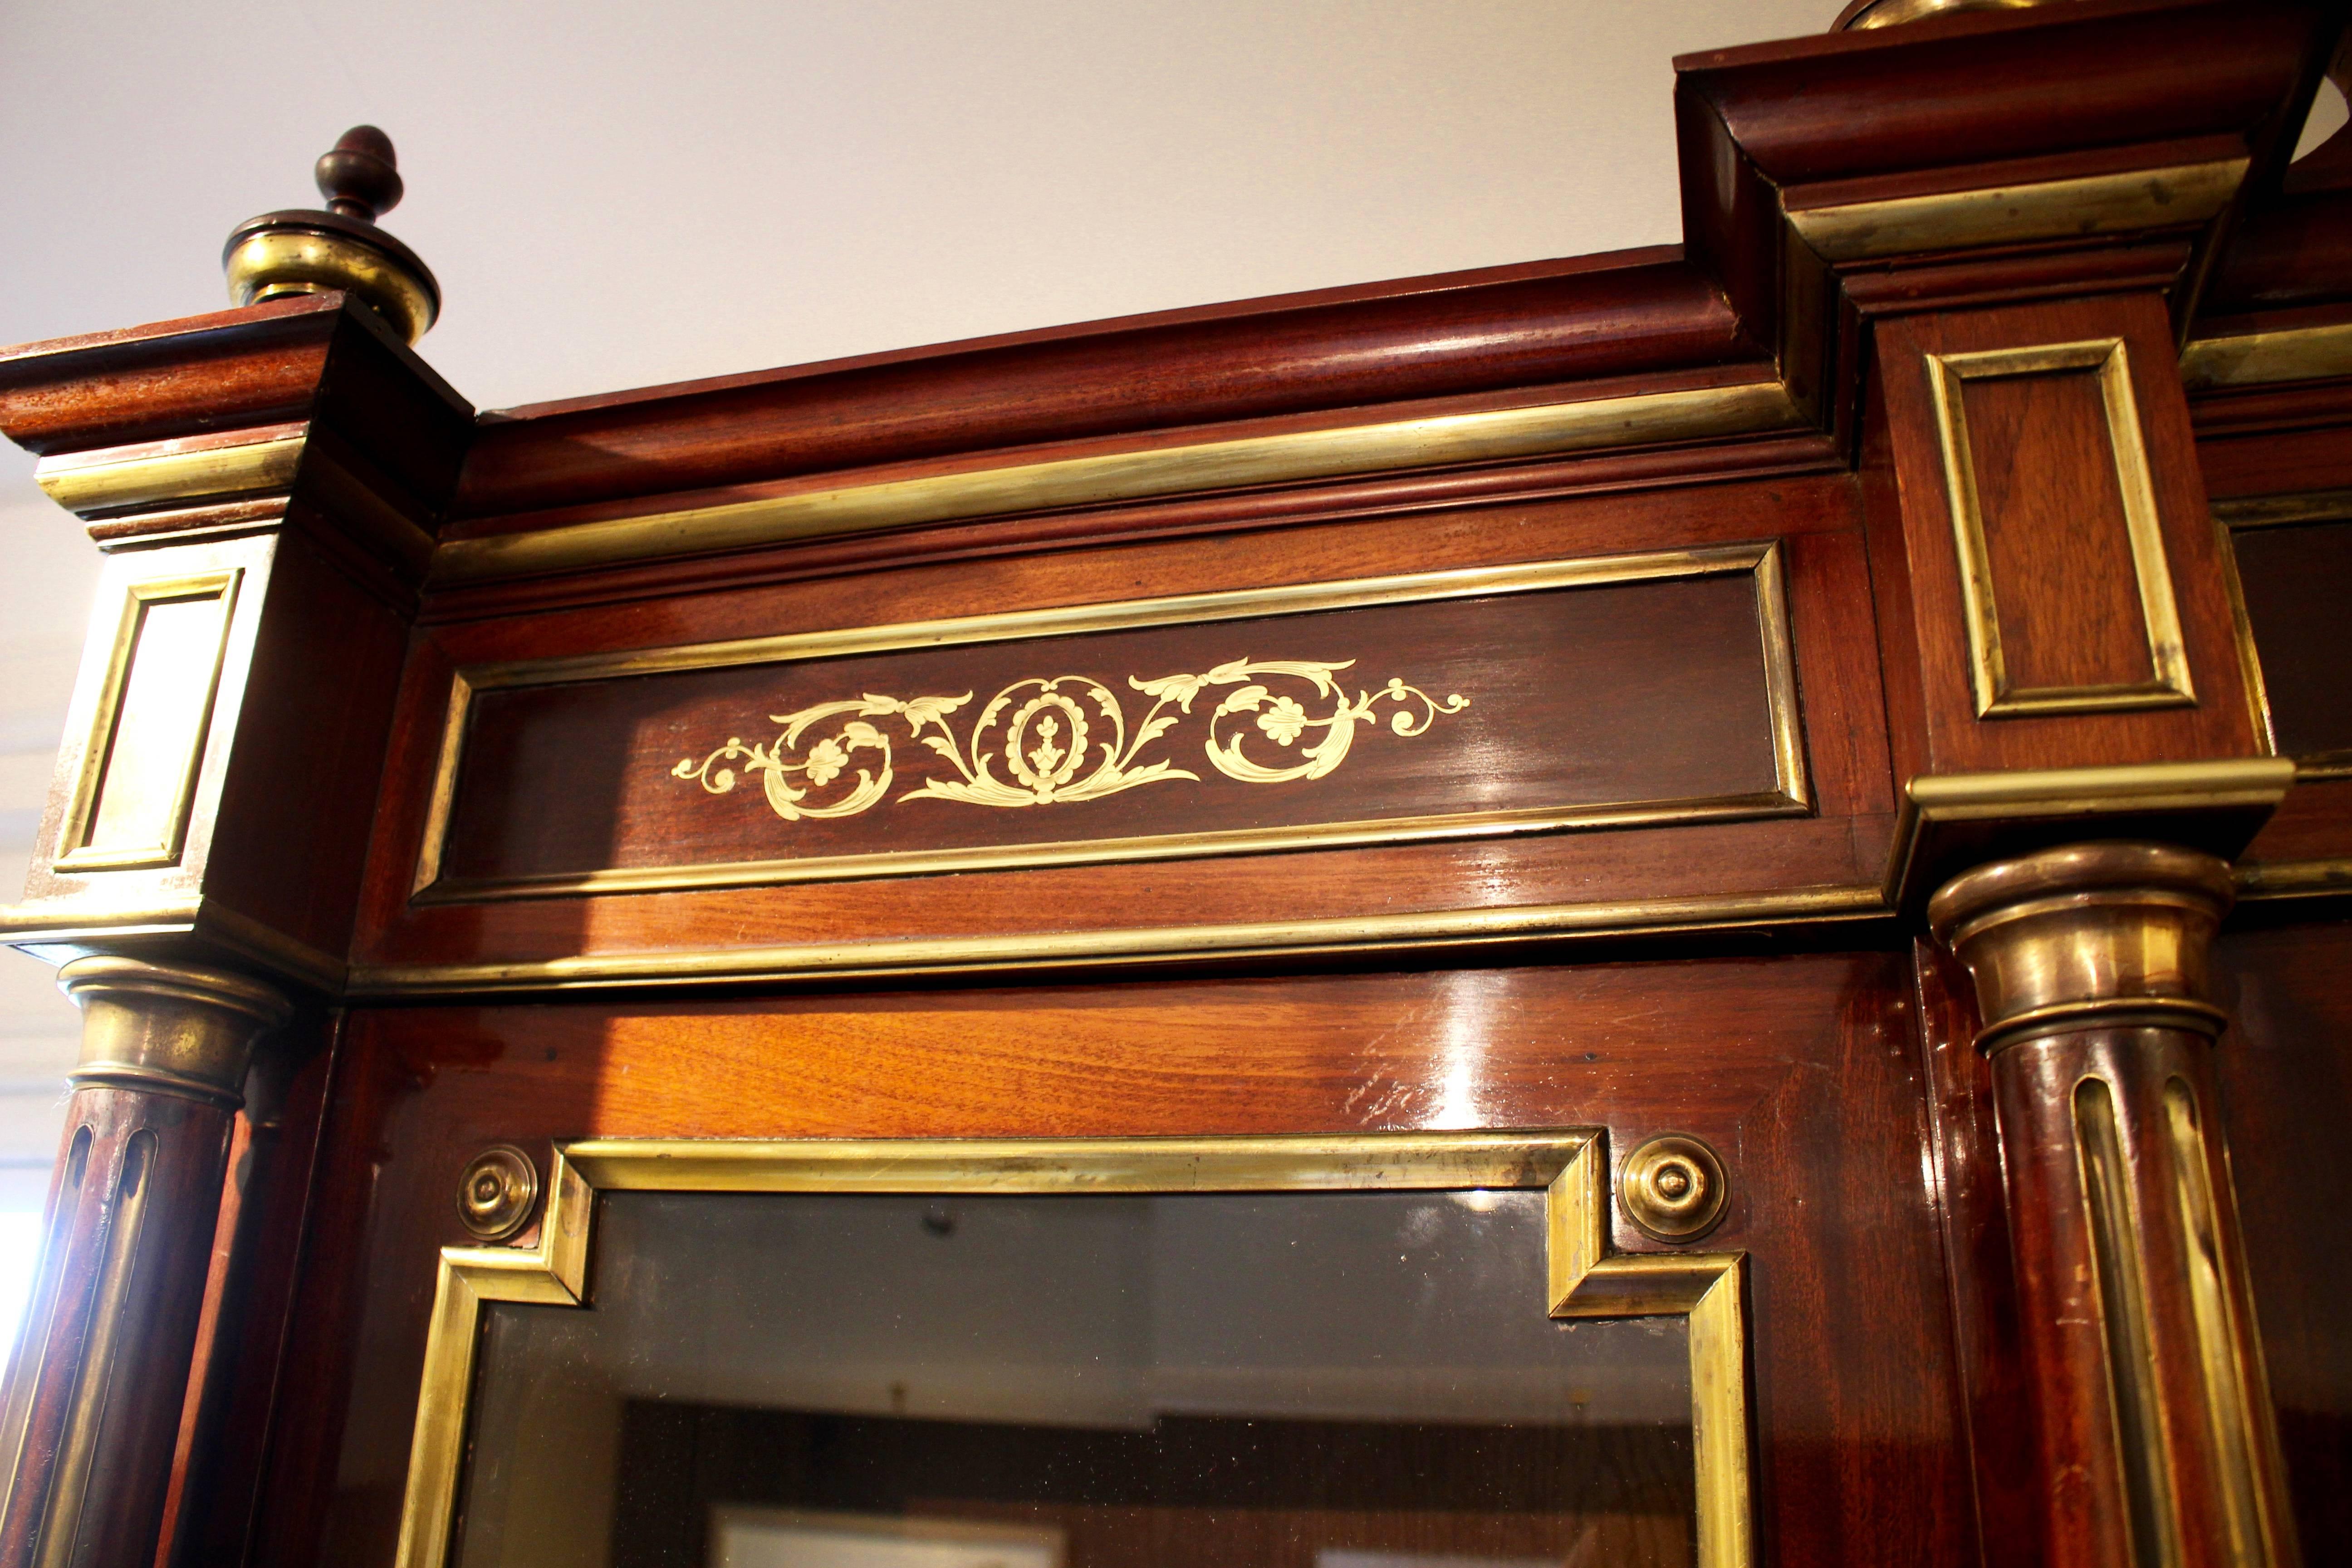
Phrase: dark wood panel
{"type": "Point", "coordinates": [1829, 613]}
{"type": "Point", "coordinates": [1804, 1071]}
{"type": "Point", "coordinates": [1193, 1493]}
{"type": "Point", "coordinates": [2298, 583]}
{"type": "Point", "coordinates": [2286, 1081]}
{"type": "Point", "coordinates": [1537, 702]}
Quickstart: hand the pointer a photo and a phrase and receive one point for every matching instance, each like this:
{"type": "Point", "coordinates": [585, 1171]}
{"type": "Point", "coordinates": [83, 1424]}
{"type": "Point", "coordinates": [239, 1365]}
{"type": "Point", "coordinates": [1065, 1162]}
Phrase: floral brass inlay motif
{"type": "Point", "coordinates": [1056, 728]}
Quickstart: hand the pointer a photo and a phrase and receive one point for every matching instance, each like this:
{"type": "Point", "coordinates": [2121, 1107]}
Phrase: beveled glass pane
{"type": "Point", "coordinates": [1323, 1380]}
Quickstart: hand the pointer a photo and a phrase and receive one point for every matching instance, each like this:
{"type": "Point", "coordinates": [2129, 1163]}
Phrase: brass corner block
{"type": "Point", "coordinates": [2104, 935]}
{"type": "Point", "coordinates": [176, 1029]}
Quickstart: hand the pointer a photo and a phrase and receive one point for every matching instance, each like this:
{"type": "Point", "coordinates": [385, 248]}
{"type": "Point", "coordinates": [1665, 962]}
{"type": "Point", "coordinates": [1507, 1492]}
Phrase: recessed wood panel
{"type": "Point", "coordinates": [2298, 585]}
{"type": "Point", "coordinates": [2063, 569]}
{"type": "Point", "coordinates": [1445, 705]}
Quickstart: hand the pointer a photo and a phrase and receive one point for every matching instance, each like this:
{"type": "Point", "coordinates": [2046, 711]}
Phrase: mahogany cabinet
{"type": "Point", "coordinates": [1680, 907]}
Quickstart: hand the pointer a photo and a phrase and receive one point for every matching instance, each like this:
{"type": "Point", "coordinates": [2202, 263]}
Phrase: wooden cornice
{"type": "Point", "coordinates": [2095, 146]}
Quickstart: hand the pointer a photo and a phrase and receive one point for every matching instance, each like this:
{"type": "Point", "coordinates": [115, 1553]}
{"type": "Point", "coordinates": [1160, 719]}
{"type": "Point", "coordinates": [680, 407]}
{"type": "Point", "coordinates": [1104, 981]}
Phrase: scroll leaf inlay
{"type": "Point", "coordinates": [1054, 729]}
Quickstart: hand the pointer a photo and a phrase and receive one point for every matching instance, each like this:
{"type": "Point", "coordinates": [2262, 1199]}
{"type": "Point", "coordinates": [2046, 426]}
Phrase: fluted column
{"type": "Point", "coordinates": [2156, 1445]}
{"type": "Point", "coordinates": [101, 1366]}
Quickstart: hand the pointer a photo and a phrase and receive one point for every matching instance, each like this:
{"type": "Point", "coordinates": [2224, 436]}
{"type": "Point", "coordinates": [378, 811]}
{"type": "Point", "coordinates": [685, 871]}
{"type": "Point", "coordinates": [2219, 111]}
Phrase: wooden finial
{"type": "Point", "coordinates": [306, 251]}
{"type": "Point", "coordinates": [360, 175]}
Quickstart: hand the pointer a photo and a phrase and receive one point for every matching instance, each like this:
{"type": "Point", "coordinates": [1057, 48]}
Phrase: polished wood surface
{"type": "Point", "coordinates": [1801, 1071]}
{"type": "Point", "coordinates": [1912, 1212]}
{"type": "Point", "coordinates": [2285, 1079]}
{"type": "Point", "coordinates": [94, 1424]}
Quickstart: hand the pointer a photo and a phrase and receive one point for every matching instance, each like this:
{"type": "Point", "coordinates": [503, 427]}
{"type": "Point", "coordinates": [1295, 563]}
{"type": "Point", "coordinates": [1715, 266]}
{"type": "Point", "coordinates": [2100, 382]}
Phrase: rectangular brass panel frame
{"type": "Point", "coordinates": [75, 854]}
{"type": "Point", "coordinates": [1571, 1167]}
{"type": "Point", "coordinates": [2273, 511]}
{"type": "Point", "coordinates": [2168, 684]}
{"type": "Point", "coordinates": [1789, 797]}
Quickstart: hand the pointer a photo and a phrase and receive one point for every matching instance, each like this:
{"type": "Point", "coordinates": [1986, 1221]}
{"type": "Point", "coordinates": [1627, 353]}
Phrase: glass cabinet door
{"type": "Point", "coordinates": [1325, 1379]}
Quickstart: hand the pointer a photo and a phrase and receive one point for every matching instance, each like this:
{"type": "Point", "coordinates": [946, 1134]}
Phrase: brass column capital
{"type": "Point", "coordinates": [169, 1029]}
{"type": "Point", "coordinates": [2111, 935]}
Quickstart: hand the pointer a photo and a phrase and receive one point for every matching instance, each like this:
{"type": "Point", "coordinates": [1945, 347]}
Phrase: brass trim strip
{"type": "Point", "coordinates": [2294, 878]}
{"type": "Point", "coordinates": [116, 1297]}
{"type": "Point", "coordinates": [2273, 511]}
{"type": "Point", "coordinates": [2264, 358]}
{"type": "Point", "coordinates": [2231, 1409]}
{"type": "Point", "coordinates": [2135, 1387]}
{"type": "Point", "coordinates": [2241, 629]}
{"type": "Point", "coordinates": [86, 483]}
{"type": "Point", "coordinates": [1571, 1167]}
{"type": "Point", "coordinates": [2169, 683]}
{"type": "Point", "coordinates": [1159, 944]}
{"type": "Point", "coordinates": [2006, 215]}
{"type": "Point", "coordinates": [1495, 435]}
{"type": "Point", "coordinates": [1792, 794]}
{"type": "Point", "coordinates": [75, 855]}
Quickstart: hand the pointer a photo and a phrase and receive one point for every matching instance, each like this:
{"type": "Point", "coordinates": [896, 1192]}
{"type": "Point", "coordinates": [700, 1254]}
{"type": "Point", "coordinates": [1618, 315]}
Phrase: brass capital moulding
{"type": "Point", "coordinates": [2090, 936]}
{"type": "Point", "coordinates": [169, 1029]}
{"type": "Point", "coordinates": [2018, 212]}
{"type": "Point", "coordinates": [1583, 1278]}
{"type": "Point", "coordinates": [183, 472]}
{"type": "Point", "coordinates": [2217, 805]}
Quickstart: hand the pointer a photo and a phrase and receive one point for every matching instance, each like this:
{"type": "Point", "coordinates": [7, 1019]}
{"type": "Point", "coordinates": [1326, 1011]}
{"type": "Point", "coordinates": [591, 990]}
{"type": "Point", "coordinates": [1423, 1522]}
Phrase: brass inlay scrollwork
{"type": "Point", "coordinates": [1056, 728]}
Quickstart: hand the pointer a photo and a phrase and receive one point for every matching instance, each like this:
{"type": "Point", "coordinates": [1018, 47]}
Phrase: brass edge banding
{"type": "Point", "coordinates": [1571, 1167]}
{"type": "Point", "coordinates": [1791, 795]}
{"type": "Point", "coordinates": [2241, 628]}
{"type": "Point", "coordinates": [1166, 944]}
{"type": "Point", "coordinates": [1499, 435]}
{"type": "Point", "coordinates": [1121, 851]}
{"type": "Point", "coordinates": [88, 483]}
{"type": "Point", "coordinates": [2264, 358]}
{"type": "Point", "coordinates": [2294, 879]}
{"type": "Point", "coordinates": [2105, 1013]}
{"type": "Point", "coordinates": [2167, 685]}
{"type": "Point", "coordinates": [2004, 214]}
{"type": "Point", "coordinates": [2272, 511]}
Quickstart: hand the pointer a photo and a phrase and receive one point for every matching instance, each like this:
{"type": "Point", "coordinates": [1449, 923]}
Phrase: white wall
{"type": "Point", "coordinates": [616, 194]}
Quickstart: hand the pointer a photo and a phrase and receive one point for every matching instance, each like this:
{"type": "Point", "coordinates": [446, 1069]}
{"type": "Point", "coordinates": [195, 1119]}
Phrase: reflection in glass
{"type": "Point", "coordinates": [1319, 1380]}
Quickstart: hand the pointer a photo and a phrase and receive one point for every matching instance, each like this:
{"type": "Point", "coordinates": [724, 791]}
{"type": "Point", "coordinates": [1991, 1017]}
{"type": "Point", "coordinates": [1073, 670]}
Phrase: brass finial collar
{"type": "Point", "coordinates": [2108, 935]}
{"type": "Point", "coordinates": [1862, 14]}
{"type": "Point", "coordinates": [305, 251]}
